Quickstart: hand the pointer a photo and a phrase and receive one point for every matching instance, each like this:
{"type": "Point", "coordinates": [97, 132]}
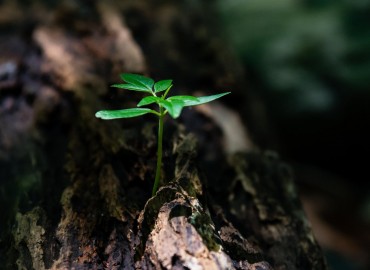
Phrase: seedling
{"type": "Point", "coordinates": [172, 105]}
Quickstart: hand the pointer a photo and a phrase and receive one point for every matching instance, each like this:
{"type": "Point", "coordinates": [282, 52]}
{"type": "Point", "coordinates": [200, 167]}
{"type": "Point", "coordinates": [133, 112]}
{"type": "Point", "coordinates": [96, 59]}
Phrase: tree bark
{"type": "Point", "coordinates": [77, 189]}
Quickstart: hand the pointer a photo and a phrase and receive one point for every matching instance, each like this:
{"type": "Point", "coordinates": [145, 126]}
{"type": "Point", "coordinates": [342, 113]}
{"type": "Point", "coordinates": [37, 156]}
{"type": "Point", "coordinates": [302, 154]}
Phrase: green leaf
{"type": "Point", "coordinates": [183, 98]}
{"type": "Point", "coordinates": [126, 113]}
{"type": "Point", "coordinates": [205, 99]}
{"type": "Point", "coordinates": [166, 104]}
{"type": "Point", "coordinates": [148, 100]}
{"type": "Point", "coordinates": [131, 87]}
{"type": "Point", "coordinates": [138, 81]}
{"type": "Point", "coordinates": [175, 108]}
{"type": "Point", "coordinates": [162, 85]}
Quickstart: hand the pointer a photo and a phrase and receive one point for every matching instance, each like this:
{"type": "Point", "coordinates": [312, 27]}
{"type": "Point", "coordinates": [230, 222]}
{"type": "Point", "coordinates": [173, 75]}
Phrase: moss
{"type": "Point", "coordinates": [204, 226]}
{"type": "Point", "coordinates": [29, 237]}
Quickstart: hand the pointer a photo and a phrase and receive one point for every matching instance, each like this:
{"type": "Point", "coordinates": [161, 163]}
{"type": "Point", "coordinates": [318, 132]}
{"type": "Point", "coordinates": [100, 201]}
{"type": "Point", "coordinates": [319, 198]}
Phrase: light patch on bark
{"type": "Point", "coordinates": [124, 46]}
{"type": "Point", "coordinates": [32, 235]}
{"type": "Point", "coordinates": [174, 241]}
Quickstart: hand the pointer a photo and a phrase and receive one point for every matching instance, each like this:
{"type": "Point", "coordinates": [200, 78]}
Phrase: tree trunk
{"type": "Point", "coordinates": [76, 191]}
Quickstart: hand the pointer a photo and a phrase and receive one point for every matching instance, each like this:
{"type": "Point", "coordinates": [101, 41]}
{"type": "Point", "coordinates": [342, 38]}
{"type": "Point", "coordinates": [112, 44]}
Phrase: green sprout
{"type": "Point", "coordinates": [172, 105]}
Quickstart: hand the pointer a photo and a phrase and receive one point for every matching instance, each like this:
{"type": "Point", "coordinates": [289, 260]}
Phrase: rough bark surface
{"type": "Point", "coordinates": [75, 191]}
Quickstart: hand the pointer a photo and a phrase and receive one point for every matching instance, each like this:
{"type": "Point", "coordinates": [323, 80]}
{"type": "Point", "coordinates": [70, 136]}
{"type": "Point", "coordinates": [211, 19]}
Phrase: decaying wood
{"type": "Point", "coordinates": [81, 187]}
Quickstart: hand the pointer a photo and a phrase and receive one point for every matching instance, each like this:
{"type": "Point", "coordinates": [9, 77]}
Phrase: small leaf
{"type": "Point", "coordinates": [149, 100]}
{"type": "Point", "coordinates": [138, 80]}
{"type": "Point", "coordinates": [166, 104]}
{"type": "Point", "coordinates": [162, 85]}
{"type": "Point", "coordinates": [205, 99]}
{"type": "Point", "coordinates": [131, 87]}
{"type": "Point", "coordinates": [183, 98]}
{"type": "Point", "coordinates": [175, 108]}
{"type": "Point", "coordinates": [126, 113]}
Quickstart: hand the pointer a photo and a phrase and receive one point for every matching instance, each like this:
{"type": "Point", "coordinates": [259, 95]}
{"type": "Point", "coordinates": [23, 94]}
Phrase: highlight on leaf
{"type": "Point", "coordinates": [138, 81]}
{"type": "Point", "coordinates": [205, 99]}
{"type": "Point", "coordinates": [184, 98]}
{"type": "Point", "coordinates": [132, 87]}
{"type": "Point", "coordinates": [162, 85]}
{"type": "Point", "coordinates": [126, 113]}
{"type": "Point", "coordinates": [175, 107]}
{"type": "Point", "coordinates": [148, 100]}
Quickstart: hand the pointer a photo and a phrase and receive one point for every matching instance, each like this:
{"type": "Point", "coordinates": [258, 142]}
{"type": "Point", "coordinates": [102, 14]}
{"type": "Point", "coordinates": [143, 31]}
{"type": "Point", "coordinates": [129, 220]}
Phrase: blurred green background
{"type": "Point", "coordinates": [309, 61]}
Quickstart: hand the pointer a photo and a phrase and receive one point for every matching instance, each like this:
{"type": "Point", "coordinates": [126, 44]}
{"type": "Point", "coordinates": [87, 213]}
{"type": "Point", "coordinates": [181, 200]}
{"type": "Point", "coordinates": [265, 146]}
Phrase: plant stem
{"type": "Point", "coordinates": [159, 151]}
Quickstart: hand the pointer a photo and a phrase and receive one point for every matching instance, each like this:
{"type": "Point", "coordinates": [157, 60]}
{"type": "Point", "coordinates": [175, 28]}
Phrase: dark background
{"type": "Point", "coordinates": [309, 63]}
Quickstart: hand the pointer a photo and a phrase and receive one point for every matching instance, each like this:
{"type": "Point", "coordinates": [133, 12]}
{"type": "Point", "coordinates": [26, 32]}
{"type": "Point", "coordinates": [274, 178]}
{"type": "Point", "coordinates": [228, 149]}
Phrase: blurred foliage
{"type": "Point", "coordinates": [306, 51]}
{"type": "Point", "coordinates": [310, 61]}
